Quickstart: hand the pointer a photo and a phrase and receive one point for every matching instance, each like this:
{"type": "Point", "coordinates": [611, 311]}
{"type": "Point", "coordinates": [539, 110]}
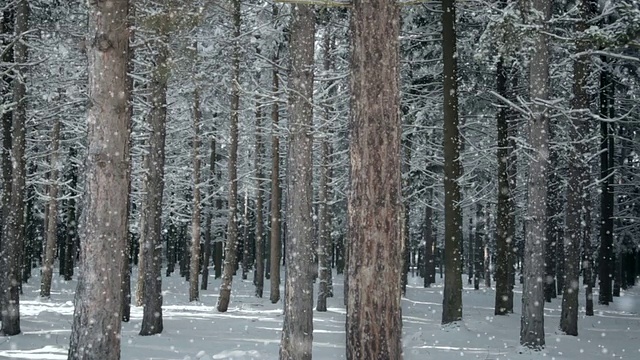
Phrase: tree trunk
{"type": "Point", "coordinates": [275, 245]}
{"type": "Point", "coordinates": [259, 275]}
{"type": "Point", "coordinates": [232, 240]}
{"type": "Point", "coordinates": [429, 241]}
{"type": "Point", "coordinates": [13, 226]}
{"type": "Point", "coordinates": [452, 300]}
{"type": "Point", "coordinates": [52, 215]}
{"type": "Point", "coordinates": [71, 233]}
{"type": "Point", "coordinates": [297, 333]}
{"type": "Point", "coordinates": [96, 326]}
{"type": "Point", "coordinates": [587, 258]}
{"type": "Point", "coordinates": [554, 212]}
{"type": "Point", "coordinates": [478, 252]}
{"type": "Point", "coordinates": [208, 230]}
{"type": "Point", "coordinates": [246, 241]}
{"type": "Point", "coordinates": [577, 190]}
{"type": "Point", "coordinates": [532, 319]}
{"type": "Point", "coordinates": [194, 294]}
{"type": "Point", "coordinates": [375, 210]}
{"type": "Point", "coordinates": [151, 245]}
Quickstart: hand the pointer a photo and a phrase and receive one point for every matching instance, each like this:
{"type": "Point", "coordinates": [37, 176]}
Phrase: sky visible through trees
{"type": "Point", "coordinates": [377, 179]}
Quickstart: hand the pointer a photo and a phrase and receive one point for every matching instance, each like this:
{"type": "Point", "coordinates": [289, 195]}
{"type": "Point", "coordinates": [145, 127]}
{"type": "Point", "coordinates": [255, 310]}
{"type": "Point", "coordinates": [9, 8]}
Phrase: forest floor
{"type": "Point", "coordinates": [251, 327]}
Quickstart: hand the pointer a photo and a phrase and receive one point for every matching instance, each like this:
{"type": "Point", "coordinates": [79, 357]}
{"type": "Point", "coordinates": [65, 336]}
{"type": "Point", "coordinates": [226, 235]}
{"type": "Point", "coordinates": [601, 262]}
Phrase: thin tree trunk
{"type": "Point", "coordinates": [275, 245]}
{"type": "Point", "coordinates": [13, 226]}
{"type": "Point", "coordinates": [554, 212]}
{"type": "Point", "coordinates": [452, 300]}
{"type": "Point", "coordinates": [375, 209]}
{"type": "Point", "coordinates": [98, 303]}
{"type": "Point", "coordinates": [194, 294]}
{"type": "Point", "coordinates": [232, 240]}
{"type": "Point", "coordinates": [151, 245]}
{"type": "Point", "coordinates": [532, 319]}
{"type": "Point", "coordinates": [246, 242]}
{"type": "Point", "coordinates": [297, 332]}
{"type": "Point", "coordinates": [208, 230]}
{"type": "Point", "coordinates": [429, 243]}
{"type": "Point", "coordinates": [478, 252]}
{"type": "Point", "coordinates": [587, 258]}
{"type": "Point", "coordinates": [71, 233]}
{"type": "Point", "coordinates": [52, 215]}
{"type": "Point", "coordinates": [259, 275]}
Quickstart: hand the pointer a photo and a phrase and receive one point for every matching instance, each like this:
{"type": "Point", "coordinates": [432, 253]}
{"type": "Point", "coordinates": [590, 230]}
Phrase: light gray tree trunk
{"type": "Point", "coordinates": [532, 319]}
{"type": "Point", "coordinates": [232, 229]}
{"type": "Point", "coordinates": [207, 237]}
{"type": "Point", "coordinates": [52, 215]}
{"type": "Point", "coordinates": [95, 332]}
{"type": "Point", "coordinates": [375, 209]}
{"type": "Point", "coordinates": [297, 332]}
{"type": "Point", "coordinates": [13, 226]}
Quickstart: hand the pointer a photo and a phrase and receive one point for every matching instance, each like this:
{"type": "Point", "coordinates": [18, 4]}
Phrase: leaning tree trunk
{"type": "Point", "coordinates": [151, 249]}
{"type": "Point", "coordinates": [532, 319]}
{"type": "Point", "coordinates": [297, 332]}
{"type": "Point", "coordinates": [52, 215]}
{"type": "Point", "coordinates": [452, 300]}
{"type": "Point", "coordinates": [577, 190]}
{"type": "Point", "coordinates": [98, 302]}
{"type": "Point", "coordinates": [375, 211]}
{"type": "Point", "coordinates": [194, 294]}
{"type": "Point", "coordinates": [13, 226]}
{"type": "Point", "coordinates": [232, 229]}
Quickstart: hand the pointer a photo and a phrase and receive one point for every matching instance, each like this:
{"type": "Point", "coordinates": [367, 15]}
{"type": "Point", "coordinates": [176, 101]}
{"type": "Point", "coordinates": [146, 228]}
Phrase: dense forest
{"type": "Point", "coordinates": [297, 142]}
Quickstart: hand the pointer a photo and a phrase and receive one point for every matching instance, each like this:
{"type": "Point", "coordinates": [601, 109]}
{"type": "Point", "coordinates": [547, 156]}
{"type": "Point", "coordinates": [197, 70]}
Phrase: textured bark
{"type": "Point", "coordinates": [259, 275]}
{"type": "Point", "coordinates": [532, 319]}
{"type": "Point", "coordinates": [275, 245]}
{"type": "Point", "coordinates": [246, 241]}
{"type": "Point", "coordinates": [374, 313]}
{"type": "Point", "coordinates": [194, 294]}
{"type": "Point", "coordinates": [297, 333]}
{"type": "Point", "coordinates": [429, 241]}
{"type": "Point", "coordinates": [577, 191]}
{"type": "Point", "coordinates": [52, 215]}
{"type": "Point", "coordinates": [151, 245]}
{"type": "Point", "coordinates": [71, 235]}
{"type": "Point", "coordinates": [96, 325]}
{"type": "Point", "coordinates": [452, 300]}
{"type": "Point", "coordinates": [13, 226]}
{"type": "Point", "coordinates": [207, 237]}
{"type": "Point", "coordinates": [232, 228]}
{"type": "Point", "coordinates": [503, 220]}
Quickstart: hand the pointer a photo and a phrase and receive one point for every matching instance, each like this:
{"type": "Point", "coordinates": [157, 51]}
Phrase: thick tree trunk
{"type": "Point", "coordinates": [13, 226]}
{"type": "Point", "coordinates": [194, 294]}
{"type": "Point", "coordinates": [52, 215]}
{"type": "Point", "coordinates": [297, 333]}
{"type": "Point", "coordinates": [374, 318]}
{"type": "Point", "coordinates": [96, 326]}
{"type": "Point", "coordinates": [275, 245]}
{"type": "Point", "coordinates": [452, 300]}
{"type": "Point", "coordinates": [532, 319]}
{"type": "Point", "coordinates": [577, 190]}
{"type": "Point", "coordinates": [232, 229]}
{"type": "Point", "coordinates": [151, 245]}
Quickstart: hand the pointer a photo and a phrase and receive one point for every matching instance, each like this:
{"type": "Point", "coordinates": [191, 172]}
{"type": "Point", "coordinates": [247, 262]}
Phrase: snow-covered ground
{"type": "Point", "coordinates": [251, 327]}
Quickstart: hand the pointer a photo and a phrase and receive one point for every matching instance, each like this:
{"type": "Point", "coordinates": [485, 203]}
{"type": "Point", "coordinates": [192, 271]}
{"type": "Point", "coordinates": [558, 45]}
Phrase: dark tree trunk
{"type": "Point", "coordinates": [151, 249]}
{"type": "Point", "coordinates": [375, 209]}
{"type": "Point", "coordinates": [554, 212]}
{"type": "Point", "coordinates": [13, 226]}
{"type": "Point", "coordinates": [232, 230]}
{"type": "Point", "coordinates": [96, 331]}
{"type": "Point", "coordinates": [452, 300]}
{"type": "Point", "coordinates": [478, 252]}
{"type": "Point", "coordinates": [259, 232]}
{"type": "Point", "coordinates": [71, 233]}
{"type": "Point", "coordinates": [587, 258]}
{"type": "Point", "coordinates": [194, 268]}
{"type": "Point", "coordinates": [532, 319]}
{"type": "Point", "coordinates": [429, 241]}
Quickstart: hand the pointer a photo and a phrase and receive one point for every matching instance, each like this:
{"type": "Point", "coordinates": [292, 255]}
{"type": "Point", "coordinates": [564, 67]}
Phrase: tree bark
{"type": "Point", "coordinates": [297, 333]}
{"type": "Point", "coordinates": [452, 300]}
{"type": "Point", "coordinates": [429, 241]}
{"type": "Point", "coordinates": [208, 230]}
{"type": "Point", "coordinates": [232, 240]}
{"type": "Point", "coordinates": [194, 294]}
{"type": "Point", "coordinates": [478, 252]}
{"type": "Point", "coordinates": [71, 234]}
{"type": "Point", "coordinates": [52, 215]}
{"type": "Point", "coordinates": [259, 275]}
{"type": "Point", "coordinates": [13, 226]}
{"type": "Point", "coordinates": [151, 245]}
{"type": "Point", "coordinates": [554, 212]}
{"type": "Point", "coordinates": [98, 303]}
{"type": "Point", "coordinates": [532, 319]}
{"type": "Point", "coordinates": [375, 209]}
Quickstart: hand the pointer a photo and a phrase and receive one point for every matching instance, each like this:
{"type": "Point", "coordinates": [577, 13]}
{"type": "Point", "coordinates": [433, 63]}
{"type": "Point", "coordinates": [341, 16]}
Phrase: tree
{"type": "Point", "coordinates": [297, 333]}
{"type": "Point", "coordinates": [374, 322]}
{"type": "Point", "coordinates": [96, 331]}
{"type": "Point", "coordinates": [532, 319]}
{"type": "Point", "coordinates": [452, 300]}
{"type": "Point", "coordinates": [232, 228]}
{"type": "Point", "coordinates": [13, 225]}
{"type": "Point", "coordinates": [195, 218]}
{"type": "Point", "coordinates": [206, 257]}
{"type": "Point", "coordinates": [259, 232]}
{"type": "Point", "coordinates": [52, 215]}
